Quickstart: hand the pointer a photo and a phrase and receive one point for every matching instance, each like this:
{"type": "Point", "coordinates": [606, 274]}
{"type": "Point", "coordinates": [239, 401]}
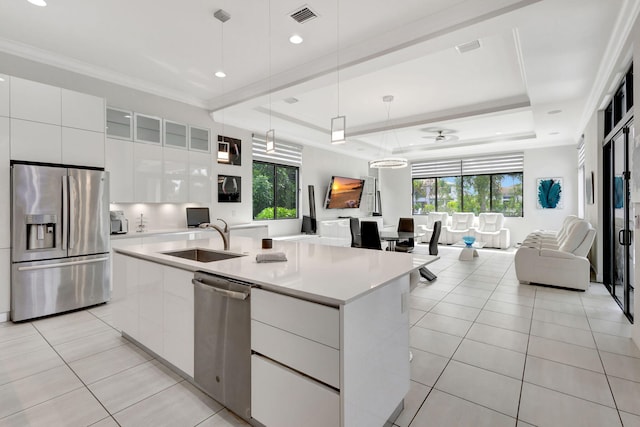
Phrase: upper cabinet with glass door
{"type": "Point", "coordinates": [199, 139]}
{"type": "Point", "coordinates": [175, 135]}
{"type": "Point", "coordinates": [148, 129]}
{"type": "Point", "coordinates": [119, 123]}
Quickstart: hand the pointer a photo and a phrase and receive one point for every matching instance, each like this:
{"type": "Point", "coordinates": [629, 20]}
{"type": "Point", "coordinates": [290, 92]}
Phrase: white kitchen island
{"type": "Point", "coordinates": [329, 327]}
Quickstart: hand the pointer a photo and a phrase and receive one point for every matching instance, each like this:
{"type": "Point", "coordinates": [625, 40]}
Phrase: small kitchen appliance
{"type": "Point", "coordinates": [119, 224]}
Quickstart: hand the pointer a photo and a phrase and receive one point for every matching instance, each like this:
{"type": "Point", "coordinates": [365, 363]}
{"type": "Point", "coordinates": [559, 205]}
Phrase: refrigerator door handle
{"type": "Point", "coordinates": [61, 264]}
{"type": "Point", "coordinates": [65, 210]}
{"type": "Point", "coordinates": [73, 201]}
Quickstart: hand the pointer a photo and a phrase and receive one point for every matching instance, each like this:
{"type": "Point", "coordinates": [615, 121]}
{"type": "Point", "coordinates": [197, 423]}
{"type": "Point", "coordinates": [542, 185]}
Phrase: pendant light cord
{"type": "Point", "coordinates": [338, 50]}
{"type": "Point", "coordinates": [270, 65]}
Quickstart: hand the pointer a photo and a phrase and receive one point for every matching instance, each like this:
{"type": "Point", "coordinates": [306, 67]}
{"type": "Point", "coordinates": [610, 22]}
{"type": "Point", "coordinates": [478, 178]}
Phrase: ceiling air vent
{"type": "Point", "coordinates": [303, 14]}
{"type": "Point", "coordinates": [469, 46]}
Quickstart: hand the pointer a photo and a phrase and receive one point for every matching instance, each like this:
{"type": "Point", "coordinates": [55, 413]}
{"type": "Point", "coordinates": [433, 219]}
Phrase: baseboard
{"type": "Point", "coordinates": [4, 317]}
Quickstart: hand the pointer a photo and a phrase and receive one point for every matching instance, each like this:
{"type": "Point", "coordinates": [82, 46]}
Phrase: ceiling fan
{"type": "Point", "coordinates": [440, 135]}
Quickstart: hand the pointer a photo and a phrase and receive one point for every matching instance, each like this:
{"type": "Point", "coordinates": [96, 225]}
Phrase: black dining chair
{"type": "Point", "coordinates": [406, 225]}
{"type": "Point", "coordinates": [354, 223]}
{"type": "Point", "coordinates": [369, 237]}
{"type": "Point", "coordinates": [433, 250]}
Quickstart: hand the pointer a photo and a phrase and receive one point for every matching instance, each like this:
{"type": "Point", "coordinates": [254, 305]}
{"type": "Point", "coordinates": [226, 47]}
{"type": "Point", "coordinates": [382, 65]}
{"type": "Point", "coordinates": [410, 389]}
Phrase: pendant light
{"type": "Point", "coordinates": [223, 146]}
{"type": "Point", "coordinates": [338, 123]}
{"type": "Point", "coordinates": [388, 162]}
{"type": "Point", "coordinates": [270, 137]}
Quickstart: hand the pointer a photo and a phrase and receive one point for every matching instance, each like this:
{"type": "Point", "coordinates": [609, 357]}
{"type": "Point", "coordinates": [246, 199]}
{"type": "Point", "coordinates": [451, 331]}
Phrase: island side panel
{"type": "Point", "coordinates": [375, 354]}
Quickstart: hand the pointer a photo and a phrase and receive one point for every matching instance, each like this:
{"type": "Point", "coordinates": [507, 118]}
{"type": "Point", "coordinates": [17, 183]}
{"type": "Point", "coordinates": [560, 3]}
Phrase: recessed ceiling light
{"type": "Point", "coordinates": [291, 100]}
{"type": "Point", "coordinates": [296, 39]}
{"type": "Point", "coordinates": [554, 133]}
{"type": "Point", "coordinates": [40, 3]}
{"type": "Point", "coordinates": [220, 74]}
{"type": "Point", "coordinates": [1, 79]}
{"type": "Point", "coordinates": [498, 133]}
{"type": "Point", "coordinates": [554, 112]}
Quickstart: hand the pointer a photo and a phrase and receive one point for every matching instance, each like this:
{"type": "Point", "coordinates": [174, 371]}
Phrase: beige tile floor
{"type": "Point", "coordinates": [487, 351]}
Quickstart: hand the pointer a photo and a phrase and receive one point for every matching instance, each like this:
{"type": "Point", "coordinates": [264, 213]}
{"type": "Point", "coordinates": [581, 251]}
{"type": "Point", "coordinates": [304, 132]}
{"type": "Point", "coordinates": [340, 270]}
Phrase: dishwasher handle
{"type": "Point", "coordinates": [224, 292]}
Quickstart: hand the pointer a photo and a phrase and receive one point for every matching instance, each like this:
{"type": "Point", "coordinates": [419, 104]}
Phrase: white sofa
{"type": "Point", "coordinates": [491, 231]}
{"type": "Point", "coordinates": [557, 258]}
{"type": "Point", "coordinates": [461, 225]}
{"type": "Point", "coordinates": [427, 228]}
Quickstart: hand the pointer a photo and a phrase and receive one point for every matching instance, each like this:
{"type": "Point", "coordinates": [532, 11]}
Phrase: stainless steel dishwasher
{"type": "Point", "coordinates": [222, 360]}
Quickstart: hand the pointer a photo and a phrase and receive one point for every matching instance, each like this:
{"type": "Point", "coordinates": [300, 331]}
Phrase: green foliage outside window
{"type": "Point", "coordinates": [471, 193]}
{"type": "Point", "coordinates": [275, 191]}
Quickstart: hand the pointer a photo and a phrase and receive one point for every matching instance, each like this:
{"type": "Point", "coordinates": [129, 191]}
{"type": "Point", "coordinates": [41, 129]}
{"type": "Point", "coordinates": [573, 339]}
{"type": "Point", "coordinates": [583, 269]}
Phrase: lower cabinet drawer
{"type": "Point", "coordinates": [281, 397]}
{"type": "Point", "coordinates": [309, 357]}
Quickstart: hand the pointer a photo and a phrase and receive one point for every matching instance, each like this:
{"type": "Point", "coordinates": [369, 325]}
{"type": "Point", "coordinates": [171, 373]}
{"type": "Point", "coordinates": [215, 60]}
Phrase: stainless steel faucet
{"type": "Point", "coordinates": [226, 234]}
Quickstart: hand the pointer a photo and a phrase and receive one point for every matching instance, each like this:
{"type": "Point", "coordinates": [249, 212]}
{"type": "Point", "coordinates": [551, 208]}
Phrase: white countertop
{"type": "Point", "coordinates": [326, 274]}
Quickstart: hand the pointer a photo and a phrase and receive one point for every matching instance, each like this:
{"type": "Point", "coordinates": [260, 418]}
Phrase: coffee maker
{"type": "Point", "coordinates": [119, 224]}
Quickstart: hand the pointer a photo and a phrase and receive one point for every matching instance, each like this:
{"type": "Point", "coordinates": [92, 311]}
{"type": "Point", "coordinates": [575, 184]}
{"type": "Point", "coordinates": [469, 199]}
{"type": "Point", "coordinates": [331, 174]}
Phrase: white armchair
{"type": "Point", "coordinates": [558, 261]}
{"type": "Point", "coordinates": [427, 228]}
{"type": "Point", "coordinates": [491, 231]}
{"type": "Point", "coordinates": [461, 225]}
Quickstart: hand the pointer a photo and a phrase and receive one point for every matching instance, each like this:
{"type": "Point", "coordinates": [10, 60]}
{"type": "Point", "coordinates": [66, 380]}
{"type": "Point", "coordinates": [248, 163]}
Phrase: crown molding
{"type": "Point", "coordinates": [73, 65]}
{"type": "Point", "coordinates": [616, 50]}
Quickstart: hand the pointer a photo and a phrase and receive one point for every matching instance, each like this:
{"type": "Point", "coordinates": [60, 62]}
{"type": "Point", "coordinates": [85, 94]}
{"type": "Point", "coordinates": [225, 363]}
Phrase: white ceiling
{"type": "Point", "coordinates": [536, 56]}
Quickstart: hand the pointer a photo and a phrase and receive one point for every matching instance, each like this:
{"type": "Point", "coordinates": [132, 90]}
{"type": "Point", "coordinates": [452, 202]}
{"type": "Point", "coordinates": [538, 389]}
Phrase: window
{"type": "Point", "coordinates": [479, 184]}
{"type": "Point", "coordinates": [275, 191]}
{"type": "Point", "coordinates": [447, 196]}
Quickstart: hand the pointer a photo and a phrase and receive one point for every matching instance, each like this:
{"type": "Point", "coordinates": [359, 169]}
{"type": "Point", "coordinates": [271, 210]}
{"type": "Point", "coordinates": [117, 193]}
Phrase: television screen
{"type": "Point", "coordinates": [344, 193]}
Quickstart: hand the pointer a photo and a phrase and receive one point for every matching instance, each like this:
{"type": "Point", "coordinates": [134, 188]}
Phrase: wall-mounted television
{"type": "Point", "coordinates": [344, 193]}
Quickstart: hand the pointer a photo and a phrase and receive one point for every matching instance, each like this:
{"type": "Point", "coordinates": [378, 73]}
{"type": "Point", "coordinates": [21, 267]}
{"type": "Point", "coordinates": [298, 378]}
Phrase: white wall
{"type": "Point", "coordinates": [318, 166]}
{"type": "Point", "coordinates": [396, 195]}
{"type": "Point", "coordinates": [559, 162]}
{"type": "Point", "coordinates": [593, 212]}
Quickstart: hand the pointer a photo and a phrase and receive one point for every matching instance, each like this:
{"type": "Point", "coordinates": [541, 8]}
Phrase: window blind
{"type": "Point", "coordinates": [286, 153]}
{"type": "Point", "coordinates": [581, 154]}
{"type": "Point", "coordinates": [501, 163]}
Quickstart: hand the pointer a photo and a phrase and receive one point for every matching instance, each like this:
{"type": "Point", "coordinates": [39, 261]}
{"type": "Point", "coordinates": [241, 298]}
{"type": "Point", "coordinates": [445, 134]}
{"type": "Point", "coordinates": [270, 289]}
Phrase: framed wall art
{"type": "Point", "coordinates": [549, 193]}
{"type": "Point", "coordinates": [229, 189]}
{"type": "Point", "coordinates": [229, 150]}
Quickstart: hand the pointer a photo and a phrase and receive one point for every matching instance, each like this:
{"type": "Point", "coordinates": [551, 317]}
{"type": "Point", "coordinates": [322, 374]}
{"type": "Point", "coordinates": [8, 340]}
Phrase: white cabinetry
{"type": "Point", "coordinates": [175, 134]}
{"type": "Point", "coordinates": [199, 177]}
{"type": "Point", "coordinates": [5, 297]}
{"type": "Point", "coordinates": [147, 173]}
{"type": "Point", "coordinates": [35, 142]}
{"type": "Point", "coordinates": [150, 304]}
{"type": "Point", "coordinates": [178, 319]}
{"type": "Point", "coordinates": [154, 306]}
{"type": "Point", "coordinates": [125, 294]}
{"type": "Point", "coordinates": [82, 111]}
{"type": "Point", "coordinates": [5, 91]}
{"type": "Point", "coordinates": [175, 175]}
{"type": "Point", "coordinates": [294, 336]}
{"type": "Point", "coordinates": [282, 397]}
{"type": "Point", "coordinates": [82, 147]}
{"type": "Point", "coordinates": [147, 129]}
{"type": "Point", "coordinates": [119, 163]}
{"type": "Point", "coordinates": [119, 124]}
{"type": "Point", "coordinates": [53, 125]}
{"type": "Point", "coordinates": [5, 179]}
{"type": "Point", "coordinates": [35, 101]}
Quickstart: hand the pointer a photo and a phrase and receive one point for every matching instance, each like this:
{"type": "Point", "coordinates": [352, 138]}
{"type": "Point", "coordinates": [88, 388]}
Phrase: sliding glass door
{"type": "Point", "coordinates": [618, 241]}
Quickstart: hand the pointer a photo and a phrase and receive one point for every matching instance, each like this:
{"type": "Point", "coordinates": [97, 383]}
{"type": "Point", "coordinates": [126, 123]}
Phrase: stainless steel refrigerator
{"type": "Point", "coordinates": [60, 230]}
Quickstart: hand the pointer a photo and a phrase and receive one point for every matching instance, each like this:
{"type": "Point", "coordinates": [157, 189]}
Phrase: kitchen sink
{"type": "Point", "coordinates": [202, 255]}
